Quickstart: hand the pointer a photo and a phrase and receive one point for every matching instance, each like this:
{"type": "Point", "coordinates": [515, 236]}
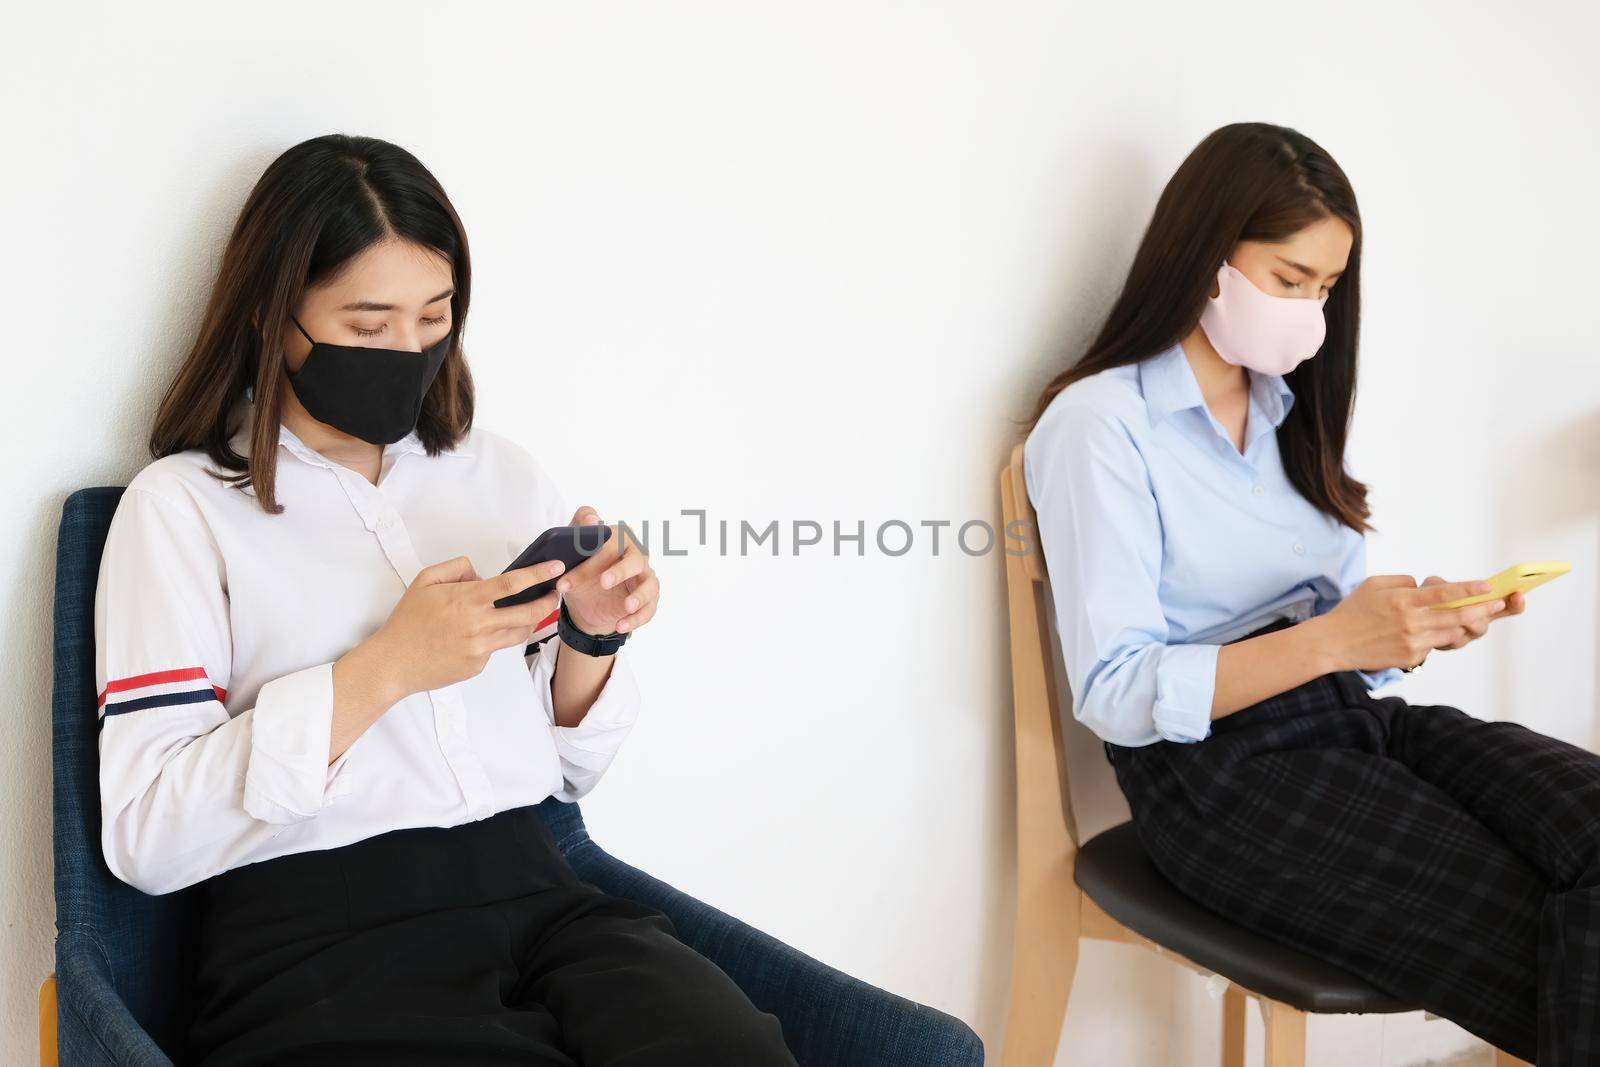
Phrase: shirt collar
{"type": "Point", "coordinates": [287, 438]}
{"type": "Point", "coordinates": [1169, 385]}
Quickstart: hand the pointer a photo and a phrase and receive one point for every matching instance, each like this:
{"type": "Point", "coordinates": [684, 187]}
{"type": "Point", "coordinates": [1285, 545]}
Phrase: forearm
{"type": "Point", "coordinates": [363, 689]}
{"type": "Point", "coordinates": [1249, 672]}
{"type": "Point", "coordinates": [576, 682]}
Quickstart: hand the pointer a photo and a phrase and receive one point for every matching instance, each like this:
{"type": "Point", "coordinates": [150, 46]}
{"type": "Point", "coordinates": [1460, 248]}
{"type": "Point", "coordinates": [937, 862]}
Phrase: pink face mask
{"type": "Point", "coordinates": [1250, 328]}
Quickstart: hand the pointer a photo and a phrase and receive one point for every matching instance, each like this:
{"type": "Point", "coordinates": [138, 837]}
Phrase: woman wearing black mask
{"type": "Point", "coordinates": [311, 707]}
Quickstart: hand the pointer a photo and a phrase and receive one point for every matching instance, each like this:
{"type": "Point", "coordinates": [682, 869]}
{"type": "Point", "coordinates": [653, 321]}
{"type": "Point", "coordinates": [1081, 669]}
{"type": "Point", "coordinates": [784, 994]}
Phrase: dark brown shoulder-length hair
{"type": "Point", "coordinates": [1247, 181]}
{"type": "Point", "coordinates": [316, 207]}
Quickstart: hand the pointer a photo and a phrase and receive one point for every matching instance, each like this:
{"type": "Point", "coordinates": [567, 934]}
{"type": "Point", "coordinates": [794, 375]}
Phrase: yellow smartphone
{"type": "Point", "coordinates": [1518, 578]}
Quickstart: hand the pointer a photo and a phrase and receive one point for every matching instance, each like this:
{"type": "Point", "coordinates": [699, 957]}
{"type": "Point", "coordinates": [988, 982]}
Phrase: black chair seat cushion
{"type": "Point", "coordinates": [1116, 873]}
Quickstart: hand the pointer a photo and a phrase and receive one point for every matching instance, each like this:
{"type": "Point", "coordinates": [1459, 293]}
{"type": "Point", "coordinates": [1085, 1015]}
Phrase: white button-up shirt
{"type": "Point", "coordinates": [217, 626]}
{"type": "Point", "coordinates": [1164, 541]}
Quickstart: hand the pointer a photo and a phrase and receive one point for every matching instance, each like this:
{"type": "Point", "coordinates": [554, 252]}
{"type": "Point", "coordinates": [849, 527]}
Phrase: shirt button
{"type": "Point", "coordinates": [1299, 549]}
{"type": "Point", "coordinates": [1258, 490]}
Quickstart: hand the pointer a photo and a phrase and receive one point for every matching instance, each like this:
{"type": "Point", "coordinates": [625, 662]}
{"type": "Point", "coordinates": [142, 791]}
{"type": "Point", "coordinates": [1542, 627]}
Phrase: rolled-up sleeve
{"type": "Point", "coordinates": [288, 775]}
{"type": "Point", "coordinates": [186, 788]}
{"type": "Point", "coordinates": [1101, 534]}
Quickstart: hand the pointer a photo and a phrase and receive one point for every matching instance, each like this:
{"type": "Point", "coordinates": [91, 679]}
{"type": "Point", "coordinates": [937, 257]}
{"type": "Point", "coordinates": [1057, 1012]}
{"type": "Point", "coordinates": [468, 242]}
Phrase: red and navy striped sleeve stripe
{"type": "Point", "coordinates": [159, 689]}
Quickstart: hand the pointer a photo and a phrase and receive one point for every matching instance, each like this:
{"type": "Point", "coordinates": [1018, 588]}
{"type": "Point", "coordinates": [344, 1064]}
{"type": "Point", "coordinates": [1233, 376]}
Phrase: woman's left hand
{"type": "Point", "coordinates": [1515, 603]}
{"type": "Point", "coordinates": [613, 591]}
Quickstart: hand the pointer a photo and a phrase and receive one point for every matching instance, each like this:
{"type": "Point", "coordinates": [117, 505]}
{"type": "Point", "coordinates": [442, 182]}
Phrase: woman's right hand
{"type": "Point", "coordinates": [1386, 621]}
{"type": "Point", "coordinates": [446, 626]}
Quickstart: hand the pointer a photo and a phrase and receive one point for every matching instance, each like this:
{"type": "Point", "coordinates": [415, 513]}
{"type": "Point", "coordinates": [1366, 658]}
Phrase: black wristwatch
{"type": "Point", "coordinates": [588, 644]}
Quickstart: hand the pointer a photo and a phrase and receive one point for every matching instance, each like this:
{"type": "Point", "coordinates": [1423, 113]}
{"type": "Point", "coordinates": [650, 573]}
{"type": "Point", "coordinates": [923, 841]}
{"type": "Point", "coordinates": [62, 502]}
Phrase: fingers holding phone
{"type": "Point", "coordinates": [615, 590]}
{"type": "Point", "coordinates": [572, 545]}
{"type": "Point", "coordinates": [446, 625]}
{"type": "Point", "coordinates": [1389, 621]}
{"type": "Point", "coordinates": [1469, 627]}
{"type": "Point", "coordinates": [509, 597]}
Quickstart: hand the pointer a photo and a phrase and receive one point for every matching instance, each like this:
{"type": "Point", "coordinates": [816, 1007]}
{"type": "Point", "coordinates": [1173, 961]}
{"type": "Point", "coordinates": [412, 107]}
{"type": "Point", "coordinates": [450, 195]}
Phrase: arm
{"type": "Point", "coordinates": [1101, 532]}
{"type": "Point", "coordinates": [578, 681]}
{"type": "Point", "coordinates": [186, 790]}
{"type": "Point", "coordinates": [1249, 672]}
{"type": "Point", "coordinates": [1101, 535]}
{"type": "Point", "coordinates": [591, 702]}
{"type": "Point", "coordinates": [362, 692]}
{"type": "Point", "coordinates": [587, 747]}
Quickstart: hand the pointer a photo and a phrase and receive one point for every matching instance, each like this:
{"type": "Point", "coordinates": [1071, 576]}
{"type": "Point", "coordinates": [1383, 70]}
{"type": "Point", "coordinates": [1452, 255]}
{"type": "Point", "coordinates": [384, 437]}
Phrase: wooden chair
{"type": "Point", "coordinates": [1107, 889]}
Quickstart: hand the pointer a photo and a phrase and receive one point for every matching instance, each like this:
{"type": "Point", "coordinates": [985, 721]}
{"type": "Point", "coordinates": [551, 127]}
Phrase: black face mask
{"type": "Point", "coordinates": [372, 393]}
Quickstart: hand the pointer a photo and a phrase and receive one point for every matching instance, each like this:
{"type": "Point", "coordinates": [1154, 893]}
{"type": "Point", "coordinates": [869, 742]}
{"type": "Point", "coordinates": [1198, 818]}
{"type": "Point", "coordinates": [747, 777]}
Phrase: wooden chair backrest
{"type": "Point", "coordinates": [1045, 818]}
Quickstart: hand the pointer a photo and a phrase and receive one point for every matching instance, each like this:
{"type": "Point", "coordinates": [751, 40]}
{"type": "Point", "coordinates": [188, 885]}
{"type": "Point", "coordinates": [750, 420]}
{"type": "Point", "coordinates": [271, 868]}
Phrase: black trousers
{"type": "Point", "coordinates": [471, 944]}
{"type": "Point", "coordinates": [1447, 860]}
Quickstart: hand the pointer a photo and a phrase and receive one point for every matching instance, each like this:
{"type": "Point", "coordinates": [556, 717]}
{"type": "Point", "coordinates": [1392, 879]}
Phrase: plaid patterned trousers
{"type": "Point", "coordinates": [1447, 860]}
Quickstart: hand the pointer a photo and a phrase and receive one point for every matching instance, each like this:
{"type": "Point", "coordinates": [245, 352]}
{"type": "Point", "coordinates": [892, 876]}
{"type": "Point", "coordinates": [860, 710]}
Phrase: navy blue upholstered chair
{"type": "Point", "coordinates": [120, 991]}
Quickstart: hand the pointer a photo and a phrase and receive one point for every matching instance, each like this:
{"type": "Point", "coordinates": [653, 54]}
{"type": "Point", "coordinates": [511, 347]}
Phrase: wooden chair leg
{"type": "Point", "coordinates": [1234, 1004]}
{"type": "Point", "coordinates": [1503, 1058]}
{"type": "Point", "coordinates": [47, 1023]}
{"type": "Point", "coordinates": [1043, 963]}
{"type": "Point", "coordinates": [1286, 1034]}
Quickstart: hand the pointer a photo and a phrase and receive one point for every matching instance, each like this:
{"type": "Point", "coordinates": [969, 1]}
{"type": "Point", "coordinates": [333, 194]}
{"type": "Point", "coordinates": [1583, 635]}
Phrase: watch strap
{"type": "Point", "coordinates": [587, 643]}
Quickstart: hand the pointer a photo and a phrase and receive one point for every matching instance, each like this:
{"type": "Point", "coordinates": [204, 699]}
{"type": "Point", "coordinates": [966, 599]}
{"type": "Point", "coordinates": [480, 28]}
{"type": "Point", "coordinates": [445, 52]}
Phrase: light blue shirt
{"type": "Point", "coordinates": [1163, 541]}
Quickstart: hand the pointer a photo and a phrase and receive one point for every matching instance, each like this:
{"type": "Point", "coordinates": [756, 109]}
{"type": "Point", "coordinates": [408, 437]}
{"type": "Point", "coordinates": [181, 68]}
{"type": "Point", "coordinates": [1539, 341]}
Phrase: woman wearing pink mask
{"type": "Point", "coordinates": [1205, 539]}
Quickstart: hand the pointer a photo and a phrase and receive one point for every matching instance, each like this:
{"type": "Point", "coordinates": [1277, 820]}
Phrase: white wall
{"type": "Point", "coordinates": [805, 261]}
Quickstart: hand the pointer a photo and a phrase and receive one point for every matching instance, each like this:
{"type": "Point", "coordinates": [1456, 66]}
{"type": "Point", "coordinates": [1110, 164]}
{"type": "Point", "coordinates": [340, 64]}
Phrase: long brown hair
{"type": "Point", "coordinates": [1247, 181]}
{"type": "Point", "coordinates": [316, 207]}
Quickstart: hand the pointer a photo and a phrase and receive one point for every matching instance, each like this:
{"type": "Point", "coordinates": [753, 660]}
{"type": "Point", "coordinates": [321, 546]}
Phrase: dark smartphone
{"type": "Point", "coordinates": [570, 544]}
